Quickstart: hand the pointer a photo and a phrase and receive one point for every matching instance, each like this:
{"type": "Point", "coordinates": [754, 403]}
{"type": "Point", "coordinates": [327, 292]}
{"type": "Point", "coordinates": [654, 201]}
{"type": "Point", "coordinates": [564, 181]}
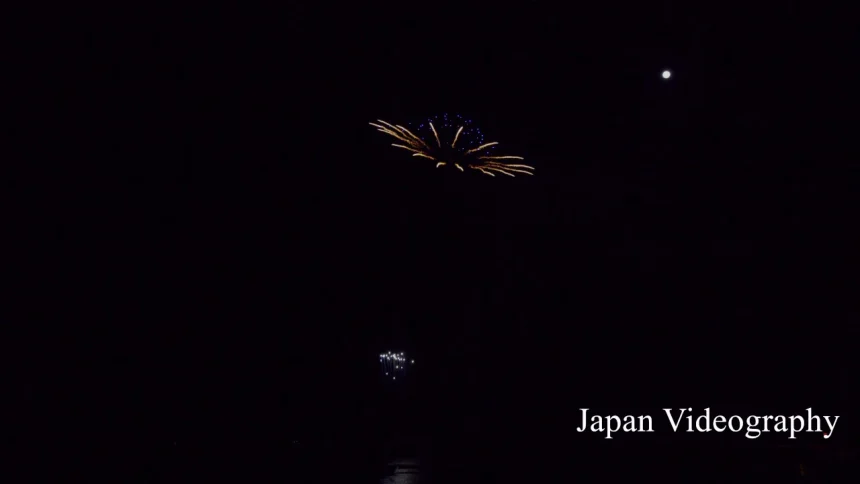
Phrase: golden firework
{"type": "Point", "coordinates": [475, 158]}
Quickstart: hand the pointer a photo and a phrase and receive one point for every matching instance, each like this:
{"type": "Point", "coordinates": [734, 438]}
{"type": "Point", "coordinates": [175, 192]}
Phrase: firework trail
{"type": "Point", "coordinates": [471, 152]}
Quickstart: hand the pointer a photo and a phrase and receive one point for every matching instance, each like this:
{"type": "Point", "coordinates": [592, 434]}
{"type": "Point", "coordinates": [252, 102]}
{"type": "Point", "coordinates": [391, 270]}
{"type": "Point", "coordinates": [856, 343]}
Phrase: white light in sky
{"type": "Point", "coordinates": [667, 74]}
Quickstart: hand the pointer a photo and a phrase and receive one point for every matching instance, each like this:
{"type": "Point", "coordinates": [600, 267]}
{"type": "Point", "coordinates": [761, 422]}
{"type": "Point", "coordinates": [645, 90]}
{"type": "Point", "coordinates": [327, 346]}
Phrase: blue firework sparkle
{"type": "Point", "coordinates": [471, 136]}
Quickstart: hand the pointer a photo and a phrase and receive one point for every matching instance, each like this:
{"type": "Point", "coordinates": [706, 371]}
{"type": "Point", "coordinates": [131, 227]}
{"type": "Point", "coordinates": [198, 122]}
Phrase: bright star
{"type": "Point", "coordinates": [667, 74]}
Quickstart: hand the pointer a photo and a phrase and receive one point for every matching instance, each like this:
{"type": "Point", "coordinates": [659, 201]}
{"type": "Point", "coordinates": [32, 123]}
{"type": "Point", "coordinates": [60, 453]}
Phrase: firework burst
{"type": "Point", "coordinates": [394, 364]}
{"type": "Point", "coordinates": [453, 142]}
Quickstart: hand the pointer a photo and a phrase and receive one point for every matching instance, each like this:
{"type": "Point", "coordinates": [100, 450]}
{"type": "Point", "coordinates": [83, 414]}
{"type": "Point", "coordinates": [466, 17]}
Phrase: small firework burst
{"type": "Point", "coordinates": [394, 364]}
{"type": "Point", "coordinates": [452, 142]}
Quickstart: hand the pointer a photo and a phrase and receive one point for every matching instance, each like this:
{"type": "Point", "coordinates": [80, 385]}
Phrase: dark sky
{"type": "Point", "coordinates": [222, 244]}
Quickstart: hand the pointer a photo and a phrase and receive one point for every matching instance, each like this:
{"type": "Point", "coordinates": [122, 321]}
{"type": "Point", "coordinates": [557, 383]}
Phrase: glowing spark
{"type": "Point", "coordinates": [396, 135]}
{"type": "Point", "coordinates": [498, 170]}
{"type": "Point", "coordinates": [458, 167]}
{"type": "Point", "coordinates": [481, 147]}
{"type": "Point", "coordinates": [399, 133]}
{"type": "Point", "coordinates": [389, 125]}
{"type": "Point", "coordinates": [413, 136]}
{"type": "Point", "coordinates": [436, 135]}
{"type": "Point", "coordinates": [457, 136]}
{"type": "Point", "coordinates": [441, 163]}
{"type": "Point", "coordinates": [422, 155]}
{"type": "Point", "coordinates": [405, 148]}
{"type": "Point", "coordinates": [507, 164]}
{"type": "Point", "coordinates": [500, 157]}
{"type": "Point", "coordinates": [507, 168]}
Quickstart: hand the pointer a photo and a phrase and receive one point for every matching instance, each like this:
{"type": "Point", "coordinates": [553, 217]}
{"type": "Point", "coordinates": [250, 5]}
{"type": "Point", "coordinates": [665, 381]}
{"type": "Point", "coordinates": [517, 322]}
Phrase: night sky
{"type": "Point", "coordinates": [217, 246]}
